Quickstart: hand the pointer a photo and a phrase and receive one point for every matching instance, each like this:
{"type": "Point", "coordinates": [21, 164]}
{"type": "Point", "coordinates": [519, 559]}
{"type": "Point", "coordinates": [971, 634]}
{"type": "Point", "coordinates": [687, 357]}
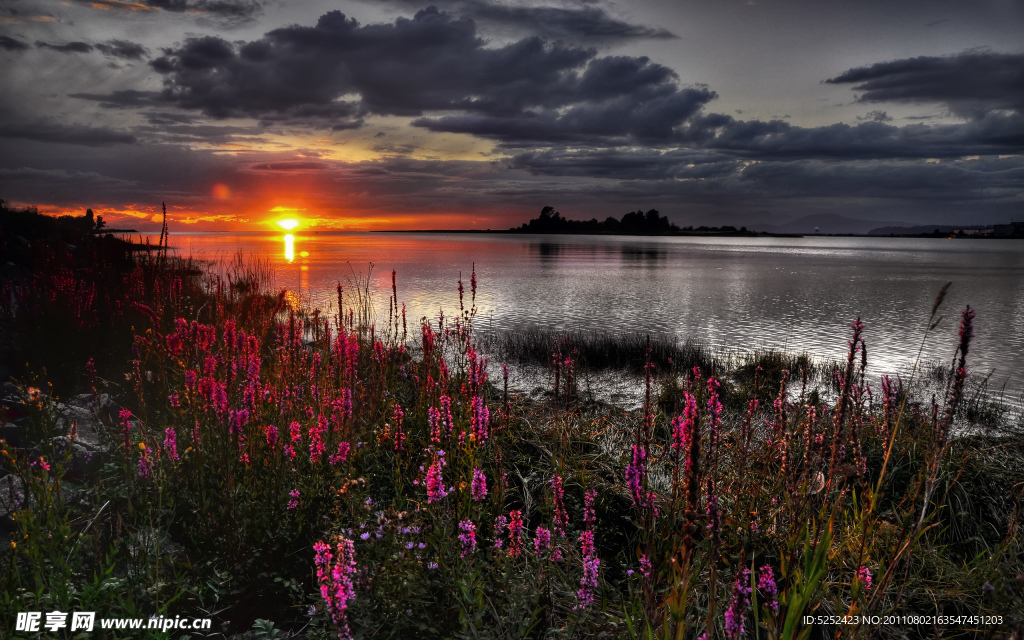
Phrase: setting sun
{"type": "Point", "coordinates": [288, 224]}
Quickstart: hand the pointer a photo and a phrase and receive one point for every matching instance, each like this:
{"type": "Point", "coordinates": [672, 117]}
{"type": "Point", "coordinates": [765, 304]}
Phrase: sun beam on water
{"type": "Point", "coordinates": [289, 247]}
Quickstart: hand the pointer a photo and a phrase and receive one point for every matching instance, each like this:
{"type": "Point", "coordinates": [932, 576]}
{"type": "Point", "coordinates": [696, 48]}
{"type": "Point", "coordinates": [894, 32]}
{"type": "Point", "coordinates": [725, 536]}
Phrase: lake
{"type": "Point", "coordinates": [799, 294]}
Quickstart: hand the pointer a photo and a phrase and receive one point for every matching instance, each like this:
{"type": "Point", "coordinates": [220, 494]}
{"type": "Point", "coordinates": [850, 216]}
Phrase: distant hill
{"type": "Point", "coordinates": [828, 223]}
{"type": "Point", "coordinates": [923, 229]}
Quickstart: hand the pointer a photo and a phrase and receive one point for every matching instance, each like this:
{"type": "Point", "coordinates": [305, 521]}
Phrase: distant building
{"type": "Point", "coordinates": [1013, 230]}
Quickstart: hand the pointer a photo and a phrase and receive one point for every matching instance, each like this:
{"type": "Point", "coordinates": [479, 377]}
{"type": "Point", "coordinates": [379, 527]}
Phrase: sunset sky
{"type": "Point", "coordinates": [477, 113]}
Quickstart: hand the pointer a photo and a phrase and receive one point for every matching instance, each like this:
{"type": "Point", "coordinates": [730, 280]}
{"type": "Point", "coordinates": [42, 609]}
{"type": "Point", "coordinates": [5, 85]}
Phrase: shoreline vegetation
{"type": "Point", "coordinates": [181, 443]}
{"type": "Point", "coordinates": [652, 223]}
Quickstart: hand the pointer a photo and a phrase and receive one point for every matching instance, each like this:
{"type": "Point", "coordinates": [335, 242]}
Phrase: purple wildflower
{"type": "Point", "coordinates": [737, 608]}
{"type": "Point", "coordinates": [144, 463]}
{"type": "Point", "coordinates": [478, 487]}
{"type": "Point", "coordinates": [589, 518]}
{"type": "Point", "coordinates": [467, 539]}
{"type": "Point", "coordinates": [499, 528]}
{"type": "Point", "coordinates": [591, 567]}
{"type": "Point", "coordinates": [541, 540]}
{"type": "Point", "coordinates": [560, 519]}
{"type": "Point", "coordinates": [342, 454]}
{"type": "Point", "coordinates": [766, 584]}
{"type": "Point", "coordinates": [636, 474]}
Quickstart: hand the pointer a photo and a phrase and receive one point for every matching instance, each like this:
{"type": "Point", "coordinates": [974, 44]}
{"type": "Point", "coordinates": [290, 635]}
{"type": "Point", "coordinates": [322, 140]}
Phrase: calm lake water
{"type": "Point", "coordinates": [799, 294]}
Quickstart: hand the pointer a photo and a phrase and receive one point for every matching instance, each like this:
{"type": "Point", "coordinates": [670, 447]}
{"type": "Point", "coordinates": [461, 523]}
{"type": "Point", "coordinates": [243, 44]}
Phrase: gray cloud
{"type": "Point", "coordinates": [65, 134]}
{"type": "Point", "coordinates": [113, 48]}
{"type": "Point", "coordinates": [122, 99]}
{"type": "Point", "coordinates": [67, 47]}
{"type": "Point", "coordinates": [969, 84]}
{"type": "Point", "coordinates": [123, 49]}
{"type": "Point", "coordinates": [10, 44]}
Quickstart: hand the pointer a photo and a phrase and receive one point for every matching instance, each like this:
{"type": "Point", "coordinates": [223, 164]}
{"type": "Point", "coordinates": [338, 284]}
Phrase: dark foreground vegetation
{"type": "Point", "coordinates": [207, 450]}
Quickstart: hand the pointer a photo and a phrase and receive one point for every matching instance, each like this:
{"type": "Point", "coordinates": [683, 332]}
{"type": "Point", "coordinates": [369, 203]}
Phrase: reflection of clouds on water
{"type": "Point", "coordinates": [793, 293]}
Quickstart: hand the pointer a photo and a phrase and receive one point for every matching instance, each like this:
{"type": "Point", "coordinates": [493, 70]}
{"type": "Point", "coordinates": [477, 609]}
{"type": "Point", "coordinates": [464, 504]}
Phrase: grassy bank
{"type": "Point", "coordinates": [299, 473]}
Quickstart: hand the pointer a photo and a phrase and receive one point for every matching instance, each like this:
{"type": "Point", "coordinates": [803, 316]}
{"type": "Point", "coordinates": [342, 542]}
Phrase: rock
{"type": "Point", "coordinates": [12, 434]}
{"type": "Point", "coordinates": [80, 412]}
{"type": "Point", "coordinates": [12, 497]}
{"type": "Point", "coordinates": [82, 461]}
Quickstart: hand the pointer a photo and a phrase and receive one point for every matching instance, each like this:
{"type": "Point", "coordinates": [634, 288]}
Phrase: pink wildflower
{"type": "Point", "coordinates": [864, 574]}
{"type": "Point", "coordinates": [515, 532]}
{"type": "Point", "coordinates": [316, 439]}
{"type": "Point", "coordinates": [336, 587]}
{"type": "Point", "coordinates": [479, 419]}
{"type": "Point", "coordinates": [171, 443]}
{"type": "Point", "coordinates": [341, 455]}
{"type": "Point", "coordinates": [399, 432]}
{"type": "Point", "coordinates": [435, 479]}
{"type": "Point", "coordinates": [294, 502]}
{"type": "Point", "coordinates": [126, 425]}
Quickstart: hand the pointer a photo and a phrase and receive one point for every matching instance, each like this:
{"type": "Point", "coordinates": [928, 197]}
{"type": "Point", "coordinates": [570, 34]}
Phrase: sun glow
{"type": "Point", "coordinates": [288, 224]}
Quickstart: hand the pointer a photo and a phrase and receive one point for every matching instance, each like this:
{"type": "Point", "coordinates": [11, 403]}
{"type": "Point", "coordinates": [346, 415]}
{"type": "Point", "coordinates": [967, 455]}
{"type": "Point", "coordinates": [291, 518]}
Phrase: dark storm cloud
{"type": "Point", "coordinates": [123, 49]}
{"type": "Point", "coordinates": [528, 90]}
{"type": "Point", "coordinates": [969, 83]}
{"type": "Point", "coordinates": [65, 133]}
{"type": "Point", "coordinates": [67, 47]}
{"type": "Point", "coordinates": [10, 44]}
{"type": "Point", "coordinates": [575, 22]}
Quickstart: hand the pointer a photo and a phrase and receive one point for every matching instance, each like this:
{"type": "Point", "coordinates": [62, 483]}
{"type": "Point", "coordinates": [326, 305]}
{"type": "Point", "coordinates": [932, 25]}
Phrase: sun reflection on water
{"type": "Point", "coordinates": [289, 247]}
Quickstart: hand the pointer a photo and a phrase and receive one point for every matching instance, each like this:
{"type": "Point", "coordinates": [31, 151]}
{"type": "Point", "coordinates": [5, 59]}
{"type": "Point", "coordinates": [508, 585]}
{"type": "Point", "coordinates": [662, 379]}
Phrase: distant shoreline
{"type": "Point", "coordinates": [758, 234]}
{"type": "Point", "coordinates": [749, 234]}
